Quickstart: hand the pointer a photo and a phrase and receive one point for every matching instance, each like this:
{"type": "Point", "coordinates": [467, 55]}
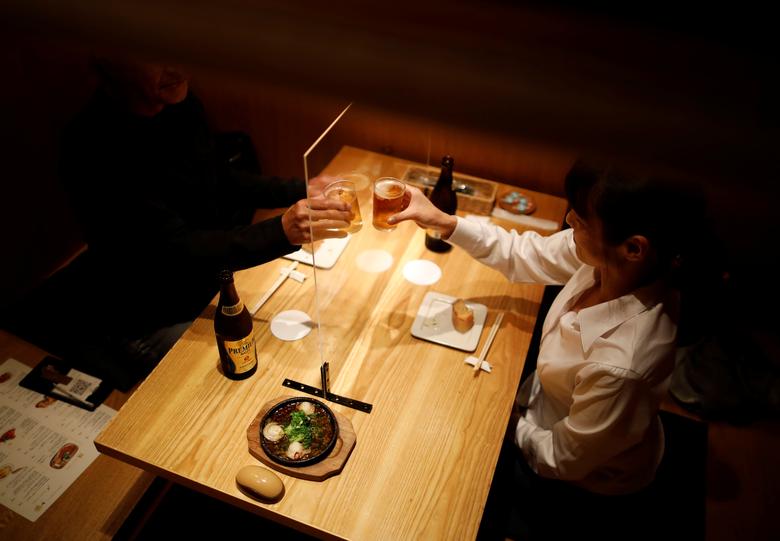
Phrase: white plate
{"type": "Point", "coordinates": [325, 256]}
{"type": "Point", "coordinates": [434, 322]}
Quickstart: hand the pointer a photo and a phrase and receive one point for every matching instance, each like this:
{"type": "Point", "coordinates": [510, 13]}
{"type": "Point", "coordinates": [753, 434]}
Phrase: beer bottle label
{"type": "Point", "coordinates": [233, 310]}
{"type": "Point", "coordinates": [242, 353]}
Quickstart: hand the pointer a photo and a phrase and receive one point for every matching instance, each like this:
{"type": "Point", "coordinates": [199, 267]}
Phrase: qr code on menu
{"type": "Point", "coordinates": [79, 387]}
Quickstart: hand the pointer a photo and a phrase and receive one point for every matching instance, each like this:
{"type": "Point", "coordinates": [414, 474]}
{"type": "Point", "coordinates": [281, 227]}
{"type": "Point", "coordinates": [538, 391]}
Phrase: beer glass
{"type": "Point", "coordinates": [345, 191]}
{"type": "Point", "coordinates": [388, 200]}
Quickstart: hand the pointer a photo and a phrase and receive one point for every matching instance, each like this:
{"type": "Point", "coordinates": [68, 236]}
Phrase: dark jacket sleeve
{"type": "Point", "coordinates": [260, 191]}
{"type": "Point", "coordinates": [238, 247]}
{"type": "Point", "coordinates": [141, 219]}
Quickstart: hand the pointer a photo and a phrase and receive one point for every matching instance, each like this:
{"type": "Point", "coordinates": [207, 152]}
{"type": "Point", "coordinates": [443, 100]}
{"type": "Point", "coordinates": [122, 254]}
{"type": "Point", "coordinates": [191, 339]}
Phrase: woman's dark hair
{"type": "Point", "coordinates": [671, 214]}
{"type": "Point", "coordinates": [668, 213]}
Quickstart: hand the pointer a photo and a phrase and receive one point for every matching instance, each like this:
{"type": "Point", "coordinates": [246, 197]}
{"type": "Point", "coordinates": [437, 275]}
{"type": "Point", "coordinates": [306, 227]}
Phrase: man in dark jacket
{"type": "Point", "coordinates": [161, 214]}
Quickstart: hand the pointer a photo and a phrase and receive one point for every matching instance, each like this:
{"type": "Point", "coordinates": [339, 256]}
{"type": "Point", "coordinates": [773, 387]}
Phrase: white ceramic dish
{"type": "Point", "coordinates": [325, 256]}
{"type": "Point", "coordinates": [434, 322]}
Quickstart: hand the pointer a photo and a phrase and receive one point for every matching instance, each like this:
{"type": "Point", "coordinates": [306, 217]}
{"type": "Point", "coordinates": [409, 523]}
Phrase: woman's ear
{"type": "Point", "coordinates": [635, 248]}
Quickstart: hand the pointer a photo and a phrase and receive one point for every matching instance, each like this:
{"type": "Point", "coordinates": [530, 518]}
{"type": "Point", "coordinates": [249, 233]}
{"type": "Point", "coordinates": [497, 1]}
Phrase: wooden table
{"type": "Point", "coordinates": [97, 503]}
{"type": "Point", "coordinates": [425, 456]}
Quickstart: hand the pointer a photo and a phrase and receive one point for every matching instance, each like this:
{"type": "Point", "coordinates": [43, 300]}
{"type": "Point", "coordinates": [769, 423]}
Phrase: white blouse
{"type": "Point", "coordinates": [593, 402]}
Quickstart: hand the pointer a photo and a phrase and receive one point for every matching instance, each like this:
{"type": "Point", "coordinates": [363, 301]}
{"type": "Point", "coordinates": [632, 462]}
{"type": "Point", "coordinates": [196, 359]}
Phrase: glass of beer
{"type": "Point", "coordinates": [388, 200]}
{"type": "Point", "coordinates": [345, 191]}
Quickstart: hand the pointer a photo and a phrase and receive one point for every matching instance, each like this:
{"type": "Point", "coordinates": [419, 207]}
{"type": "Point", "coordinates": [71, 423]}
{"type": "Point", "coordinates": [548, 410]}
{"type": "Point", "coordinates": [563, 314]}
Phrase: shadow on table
{"type": "Point", "coordinates": [168, 510]}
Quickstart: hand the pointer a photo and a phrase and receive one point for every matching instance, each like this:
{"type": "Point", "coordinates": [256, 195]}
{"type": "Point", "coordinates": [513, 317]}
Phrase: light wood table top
{"type": "Point", "coordinates": [95, 506]}
{"type": "Point", "coordinates": [425, 456]}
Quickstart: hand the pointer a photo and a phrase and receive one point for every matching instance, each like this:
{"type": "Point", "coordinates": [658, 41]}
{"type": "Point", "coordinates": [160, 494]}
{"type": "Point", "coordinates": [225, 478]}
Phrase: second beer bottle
{"type": "Point", "coordinates": [445, 200]}
{"type": "Point", "coordinates": [233, 327]}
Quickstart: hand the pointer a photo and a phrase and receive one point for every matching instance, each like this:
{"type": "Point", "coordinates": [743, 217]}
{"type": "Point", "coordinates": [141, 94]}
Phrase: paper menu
{"type": "Point", "coordinates": [45, 444]}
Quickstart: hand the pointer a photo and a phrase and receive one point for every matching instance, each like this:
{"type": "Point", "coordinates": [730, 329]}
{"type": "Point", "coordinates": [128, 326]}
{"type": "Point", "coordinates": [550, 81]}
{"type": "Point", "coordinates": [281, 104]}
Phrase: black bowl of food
{"type": "Point", "coordinates": [298, 432]}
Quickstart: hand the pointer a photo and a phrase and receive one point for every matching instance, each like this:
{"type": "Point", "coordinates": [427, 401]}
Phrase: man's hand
{"type": "Point", "coordinates": [417, 207]}
{"type": "Point", "coordinates": [327, 218]}
{"type": "Point", "coordinates": [318, 184]}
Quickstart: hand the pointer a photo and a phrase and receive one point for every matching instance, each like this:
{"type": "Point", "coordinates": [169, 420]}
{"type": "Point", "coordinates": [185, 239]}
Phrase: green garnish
{"type": "Point", "coordinates": [299, 429]}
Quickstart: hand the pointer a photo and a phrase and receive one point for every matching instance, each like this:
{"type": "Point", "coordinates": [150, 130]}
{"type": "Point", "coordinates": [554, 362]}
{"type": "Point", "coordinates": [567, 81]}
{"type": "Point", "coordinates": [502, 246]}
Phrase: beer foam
{"type": "Point", "coordinates": [389, 189]}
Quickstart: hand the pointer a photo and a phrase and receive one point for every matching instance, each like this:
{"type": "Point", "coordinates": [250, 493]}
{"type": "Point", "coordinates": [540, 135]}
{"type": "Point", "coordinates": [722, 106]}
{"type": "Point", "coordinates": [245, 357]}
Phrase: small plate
{"type": "Point", "coordinates": [434, 322]}
{"type": "Point", "coordinates": [325, 256]}
{"type": "Point", "coordinates": [517, 202]}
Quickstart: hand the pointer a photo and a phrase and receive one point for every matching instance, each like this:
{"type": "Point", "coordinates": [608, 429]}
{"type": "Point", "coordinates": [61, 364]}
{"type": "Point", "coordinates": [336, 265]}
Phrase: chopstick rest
{"type": "Point", "coordinates": [296, 275]}
{"type": "Point", "coordinates": [472, 360]}
{"type": "Point", "coordinates": [479, 362]}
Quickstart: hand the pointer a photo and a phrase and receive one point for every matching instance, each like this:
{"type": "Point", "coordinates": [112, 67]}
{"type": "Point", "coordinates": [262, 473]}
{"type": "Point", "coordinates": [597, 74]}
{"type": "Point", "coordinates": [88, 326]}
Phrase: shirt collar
{"type": "Point", "coordinates": [596, 321]}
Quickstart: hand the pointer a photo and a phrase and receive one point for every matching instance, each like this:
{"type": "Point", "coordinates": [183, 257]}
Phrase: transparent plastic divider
{"type": "Point", "coordinates": [350, 274]}
{"type": "Point", "coordinates": [319, 237]}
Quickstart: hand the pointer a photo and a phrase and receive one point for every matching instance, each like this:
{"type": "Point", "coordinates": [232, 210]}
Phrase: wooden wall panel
{"type": "Point", "coordinates": [51, 81]}
{"type": "Point", "coordinates": [44, 85]}
{"type": "Point", "coordinates": [283, 123]}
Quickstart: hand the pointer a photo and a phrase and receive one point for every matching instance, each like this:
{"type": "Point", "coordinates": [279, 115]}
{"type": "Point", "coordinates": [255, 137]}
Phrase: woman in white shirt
{"type": "Point", "coordinates": [608, 342]}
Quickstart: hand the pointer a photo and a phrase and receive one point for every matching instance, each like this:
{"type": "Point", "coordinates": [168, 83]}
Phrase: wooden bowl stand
{"type": "Point", "coordinates": [327, 467]}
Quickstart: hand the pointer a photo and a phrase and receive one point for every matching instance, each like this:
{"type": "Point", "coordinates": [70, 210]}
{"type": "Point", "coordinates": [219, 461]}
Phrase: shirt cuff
{"type": "Point", "coordinates": [522, 431]}
{"type": "Point", "coordinates": [523, 441]}
{"type": "Point", "coordinates": [466, 234]}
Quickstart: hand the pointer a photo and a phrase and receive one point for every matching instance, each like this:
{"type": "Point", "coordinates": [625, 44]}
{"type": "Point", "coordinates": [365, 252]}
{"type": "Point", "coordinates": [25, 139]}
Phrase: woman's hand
{"type": "Point", "coordinates": [417, 207]}
{"type": "Point", "coordinates": [327, 218]}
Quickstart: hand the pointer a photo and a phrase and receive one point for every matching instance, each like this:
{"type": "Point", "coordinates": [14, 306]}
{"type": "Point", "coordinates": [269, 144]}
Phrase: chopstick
{"type": "Point", "coordinates": [284, 274]}
{"type": "Point", "coordinates": [486, 347]}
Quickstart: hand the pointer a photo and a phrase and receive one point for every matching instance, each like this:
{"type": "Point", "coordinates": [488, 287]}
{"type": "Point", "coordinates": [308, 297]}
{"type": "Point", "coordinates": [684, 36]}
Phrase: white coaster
{"type": "Point", "coordinates": [291, 325]}
{"type": "Point", "coordinates": [374, 260]}
{"type": "Point", "coordinates": [422, 272]}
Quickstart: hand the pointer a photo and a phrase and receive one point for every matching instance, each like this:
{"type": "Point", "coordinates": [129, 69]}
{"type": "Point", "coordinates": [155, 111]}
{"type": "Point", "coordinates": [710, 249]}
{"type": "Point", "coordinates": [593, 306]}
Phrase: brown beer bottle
{"type": "Point", "coordinates": [445, 200]}
{"type": "Point", "coordinates": [233, 327]}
